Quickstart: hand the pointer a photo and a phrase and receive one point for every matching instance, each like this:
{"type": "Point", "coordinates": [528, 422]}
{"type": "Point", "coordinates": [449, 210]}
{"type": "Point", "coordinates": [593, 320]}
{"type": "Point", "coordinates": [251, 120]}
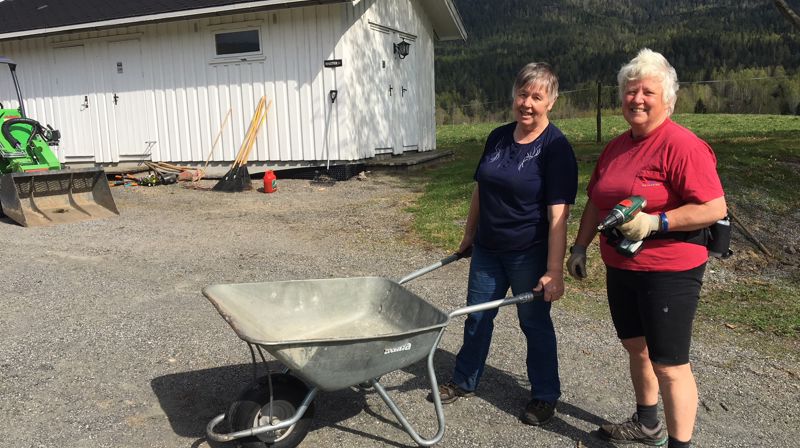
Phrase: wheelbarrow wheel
{"type": "Point", "coordinates": [253, 407]}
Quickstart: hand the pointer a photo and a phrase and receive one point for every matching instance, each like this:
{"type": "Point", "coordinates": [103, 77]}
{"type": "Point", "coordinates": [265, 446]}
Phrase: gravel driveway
{"type": "Point", "coordinates": [108, 342]}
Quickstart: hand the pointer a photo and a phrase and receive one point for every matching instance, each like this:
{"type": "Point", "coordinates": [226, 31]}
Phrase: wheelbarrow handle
{"type": "Point", "coordinates": [433, 267]}
{"type": "Point", "coordinates": [525, 297]}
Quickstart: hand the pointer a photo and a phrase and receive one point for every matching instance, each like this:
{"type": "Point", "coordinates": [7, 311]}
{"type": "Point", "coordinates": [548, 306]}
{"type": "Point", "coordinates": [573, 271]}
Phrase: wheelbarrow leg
{"type": "Point", "coordinates": [437, 403]}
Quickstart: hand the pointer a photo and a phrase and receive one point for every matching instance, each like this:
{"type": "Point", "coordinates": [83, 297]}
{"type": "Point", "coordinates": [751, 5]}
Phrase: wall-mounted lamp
{"type": "Point", "coordinates": [401, 49]}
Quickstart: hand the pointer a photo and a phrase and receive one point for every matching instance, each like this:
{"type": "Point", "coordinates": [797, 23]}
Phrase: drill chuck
{"type": "Point", "coordinates": [623, 212]}
{"type": "Point", "coordinates": [614, 218]}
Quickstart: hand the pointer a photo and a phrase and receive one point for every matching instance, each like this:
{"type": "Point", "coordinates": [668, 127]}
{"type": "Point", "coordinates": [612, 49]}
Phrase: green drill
{"type": "Point", "coordinates": [622, 213]}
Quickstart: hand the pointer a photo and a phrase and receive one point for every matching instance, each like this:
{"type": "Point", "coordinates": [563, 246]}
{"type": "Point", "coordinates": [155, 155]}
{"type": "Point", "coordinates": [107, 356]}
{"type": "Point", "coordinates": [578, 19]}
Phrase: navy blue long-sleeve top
{"type": "Point", "coordinates": [516, 184]}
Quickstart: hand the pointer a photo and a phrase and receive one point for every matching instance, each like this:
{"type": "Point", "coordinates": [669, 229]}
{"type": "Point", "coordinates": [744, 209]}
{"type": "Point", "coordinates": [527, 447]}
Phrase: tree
{"type": "Point", "coordinates": [788, 12]}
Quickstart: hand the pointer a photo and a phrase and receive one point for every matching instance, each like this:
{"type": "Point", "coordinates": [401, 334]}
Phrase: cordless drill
{"type": "Point", "coordinates": [622, 213]}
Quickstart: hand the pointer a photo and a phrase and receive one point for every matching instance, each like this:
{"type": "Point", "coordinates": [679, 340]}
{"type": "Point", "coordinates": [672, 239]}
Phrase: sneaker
{"type": "Point", "coordinates": [450, 392]}
{"type": "Point", "coordinates": [538, 412]}
{"type": "Point", "coordinates": [631, 431]}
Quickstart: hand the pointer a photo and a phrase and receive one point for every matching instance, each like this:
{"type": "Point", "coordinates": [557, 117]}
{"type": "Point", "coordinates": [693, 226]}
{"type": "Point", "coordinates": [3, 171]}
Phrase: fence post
{"type": "Point", "coordinates": [599, 115]}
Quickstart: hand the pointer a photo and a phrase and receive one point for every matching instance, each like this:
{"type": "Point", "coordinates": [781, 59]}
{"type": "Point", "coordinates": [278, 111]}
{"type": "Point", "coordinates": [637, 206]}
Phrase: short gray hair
{"type": "Point", "coordinates": [651, 64]}
{"type": "Point", "coordinates": [537, 73]}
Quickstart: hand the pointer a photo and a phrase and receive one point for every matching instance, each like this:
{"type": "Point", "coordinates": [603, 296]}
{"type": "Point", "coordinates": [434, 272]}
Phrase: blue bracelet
{"type": "Point", "coordinates": [663, 223]}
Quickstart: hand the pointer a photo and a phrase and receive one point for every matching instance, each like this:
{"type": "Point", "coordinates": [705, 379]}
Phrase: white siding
{"type": "Point", "coordinates": [425, 80]}
{"type": "Point", "coordinates": [184, 95]}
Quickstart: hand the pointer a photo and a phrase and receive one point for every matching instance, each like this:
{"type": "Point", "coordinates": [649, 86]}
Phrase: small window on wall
{"type": "Point", "coordinates": [236, 43]}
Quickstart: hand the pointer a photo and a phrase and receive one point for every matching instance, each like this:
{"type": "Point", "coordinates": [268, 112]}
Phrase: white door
{"type": "Point", "coordinates": [396, 123]}
{"type": "Point", "coordinates": [128, 127]}
{"type": "Point", "coordinates": [384, 91]}
{"type": "Point", "coordinates": [406, 105]}
{"type": "Point", "coordinates": [72, 105]}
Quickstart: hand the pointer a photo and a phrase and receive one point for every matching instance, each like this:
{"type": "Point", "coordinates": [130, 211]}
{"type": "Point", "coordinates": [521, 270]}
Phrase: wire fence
{"type": "Point", "coordinates": [777, 94]}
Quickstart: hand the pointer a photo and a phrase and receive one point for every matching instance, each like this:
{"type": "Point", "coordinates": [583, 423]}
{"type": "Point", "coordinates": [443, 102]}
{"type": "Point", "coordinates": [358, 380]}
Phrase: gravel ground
{"type": "Point", "coordinates": [108, 341]}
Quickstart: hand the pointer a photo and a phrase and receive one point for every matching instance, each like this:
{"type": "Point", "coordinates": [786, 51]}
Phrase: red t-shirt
{"type": "Point", "coordinates": [669, 167]}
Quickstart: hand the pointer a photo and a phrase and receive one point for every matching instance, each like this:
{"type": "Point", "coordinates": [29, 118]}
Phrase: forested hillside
{"type": "Point", "coordinates": [588, 40]}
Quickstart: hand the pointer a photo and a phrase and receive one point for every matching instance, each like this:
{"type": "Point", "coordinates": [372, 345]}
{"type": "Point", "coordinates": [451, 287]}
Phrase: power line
{"type": "Point", "coordinates": [473, 103]}
{"type": "Point", "coordinates": [712, 81]}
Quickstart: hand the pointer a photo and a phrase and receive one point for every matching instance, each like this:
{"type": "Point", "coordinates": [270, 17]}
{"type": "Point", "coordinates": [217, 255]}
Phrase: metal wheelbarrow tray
{"type": "Point", "coordinates": [332, 334]}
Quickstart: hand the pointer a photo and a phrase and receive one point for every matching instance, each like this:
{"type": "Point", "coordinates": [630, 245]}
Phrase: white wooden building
{"type": "Point", "coordinates": [139, 80]}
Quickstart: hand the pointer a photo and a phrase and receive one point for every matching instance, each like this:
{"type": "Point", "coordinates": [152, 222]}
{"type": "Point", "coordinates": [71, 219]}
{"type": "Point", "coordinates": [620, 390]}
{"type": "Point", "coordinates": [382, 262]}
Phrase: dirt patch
{"type": "Point", "coordinates": [766, 245]}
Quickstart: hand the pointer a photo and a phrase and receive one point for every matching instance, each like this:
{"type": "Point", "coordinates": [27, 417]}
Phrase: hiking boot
{"type": "Point", "coordinates": [631, 431]}
{"type": "Point", "coordinates": [538, 412]}
{"type": "Point", "coordinates": [450, 392]}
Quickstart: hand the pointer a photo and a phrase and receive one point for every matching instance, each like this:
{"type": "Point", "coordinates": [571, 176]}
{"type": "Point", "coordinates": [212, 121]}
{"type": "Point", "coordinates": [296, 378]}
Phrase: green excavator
{"type": "Point", "coordinates": [35, 189]}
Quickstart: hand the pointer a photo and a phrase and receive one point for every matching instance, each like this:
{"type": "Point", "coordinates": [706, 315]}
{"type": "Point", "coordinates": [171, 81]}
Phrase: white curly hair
{"type": "Point", "coordinates": [651, 64]}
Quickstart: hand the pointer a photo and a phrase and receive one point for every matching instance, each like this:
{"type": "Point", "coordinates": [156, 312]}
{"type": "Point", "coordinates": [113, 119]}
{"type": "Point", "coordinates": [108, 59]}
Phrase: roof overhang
{"type": "Point", "coordinates": [168, 16]}
{"type": "Point", "coordinates": [446, 20]}
{"type": "Point", "coordinates": [443, 14]}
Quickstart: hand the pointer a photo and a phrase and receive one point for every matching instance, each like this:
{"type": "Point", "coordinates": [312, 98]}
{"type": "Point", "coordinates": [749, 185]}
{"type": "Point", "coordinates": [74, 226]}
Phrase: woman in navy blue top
{"type": "Point", "coordinates": [517, 227]}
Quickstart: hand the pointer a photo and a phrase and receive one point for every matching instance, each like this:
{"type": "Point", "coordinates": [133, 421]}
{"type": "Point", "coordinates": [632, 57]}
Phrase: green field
{"type": "Point", "coordinates": [759, 163]}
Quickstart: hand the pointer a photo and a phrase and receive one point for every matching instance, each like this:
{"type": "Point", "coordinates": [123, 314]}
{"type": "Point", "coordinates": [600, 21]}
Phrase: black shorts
{"type": "Point", "coordinates": [657, 305]}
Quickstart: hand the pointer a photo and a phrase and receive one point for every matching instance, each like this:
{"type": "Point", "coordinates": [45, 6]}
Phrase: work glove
{"type": "Point", "coordinates": [640, 227]}
{"type": "Point", "coordinates": [576, 264]}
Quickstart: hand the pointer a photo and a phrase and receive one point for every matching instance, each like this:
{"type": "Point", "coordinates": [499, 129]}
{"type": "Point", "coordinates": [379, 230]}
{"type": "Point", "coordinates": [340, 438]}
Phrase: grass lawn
{"type": "Point", "coordinates": [759, 163]}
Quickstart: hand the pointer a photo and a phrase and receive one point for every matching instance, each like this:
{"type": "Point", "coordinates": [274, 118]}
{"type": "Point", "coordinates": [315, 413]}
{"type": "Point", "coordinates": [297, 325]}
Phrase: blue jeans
{"type": "Point", "coordinates": [490, 276]}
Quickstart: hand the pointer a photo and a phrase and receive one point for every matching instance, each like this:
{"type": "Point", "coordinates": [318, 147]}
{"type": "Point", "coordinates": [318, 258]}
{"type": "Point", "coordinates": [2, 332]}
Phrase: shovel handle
{"type": "Point", "coordinates": [434, 266]}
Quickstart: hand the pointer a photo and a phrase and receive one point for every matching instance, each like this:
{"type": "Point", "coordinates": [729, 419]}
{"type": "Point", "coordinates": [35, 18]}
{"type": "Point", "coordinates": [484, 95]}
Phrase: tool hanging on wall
{"type": "Point", "coordinates": [238, 178]}
{"type": "Point", "coordinates": [333, 94]}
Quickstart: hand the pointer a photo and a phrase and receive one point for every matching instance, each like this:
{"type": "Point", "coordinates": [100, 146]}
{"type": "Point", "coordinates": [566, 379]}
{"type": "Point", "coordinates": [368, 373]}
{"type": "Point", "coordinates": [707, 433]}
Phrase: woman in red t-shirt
{"type": "Point", "coordinates": [653, 295]}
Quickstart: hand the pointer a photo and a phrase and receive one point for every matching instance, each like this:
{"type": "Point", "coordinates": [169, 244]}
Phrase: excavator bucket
{"type": "Point", "coordinates": [56, 197]}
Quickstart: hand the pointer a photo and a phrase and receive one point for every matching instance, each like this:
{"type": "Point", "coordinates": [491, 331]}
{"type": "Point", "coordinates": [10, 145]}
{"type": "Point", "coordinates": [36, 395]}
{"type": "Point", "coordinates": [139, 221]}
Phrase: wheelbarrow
{"type": "Point", "coordinates": [330, 334]}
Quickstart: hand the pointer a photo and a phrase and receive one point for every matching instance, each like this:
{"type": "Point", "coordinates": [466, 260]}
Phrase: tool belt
{"type": "Point", "coordinates": [700, 236]}
{"type": "Point", "coordinates": [716, 238]}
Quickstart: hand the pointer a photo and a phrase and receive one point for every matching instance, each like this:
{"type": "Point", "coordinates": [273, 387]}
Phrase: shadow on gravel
{"type": "Point", "coordinates": [191, 399]}
{"type": "Point", "coordinates": [348, 398]}
{"type": "Point", "coordinates": [503, 390]}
